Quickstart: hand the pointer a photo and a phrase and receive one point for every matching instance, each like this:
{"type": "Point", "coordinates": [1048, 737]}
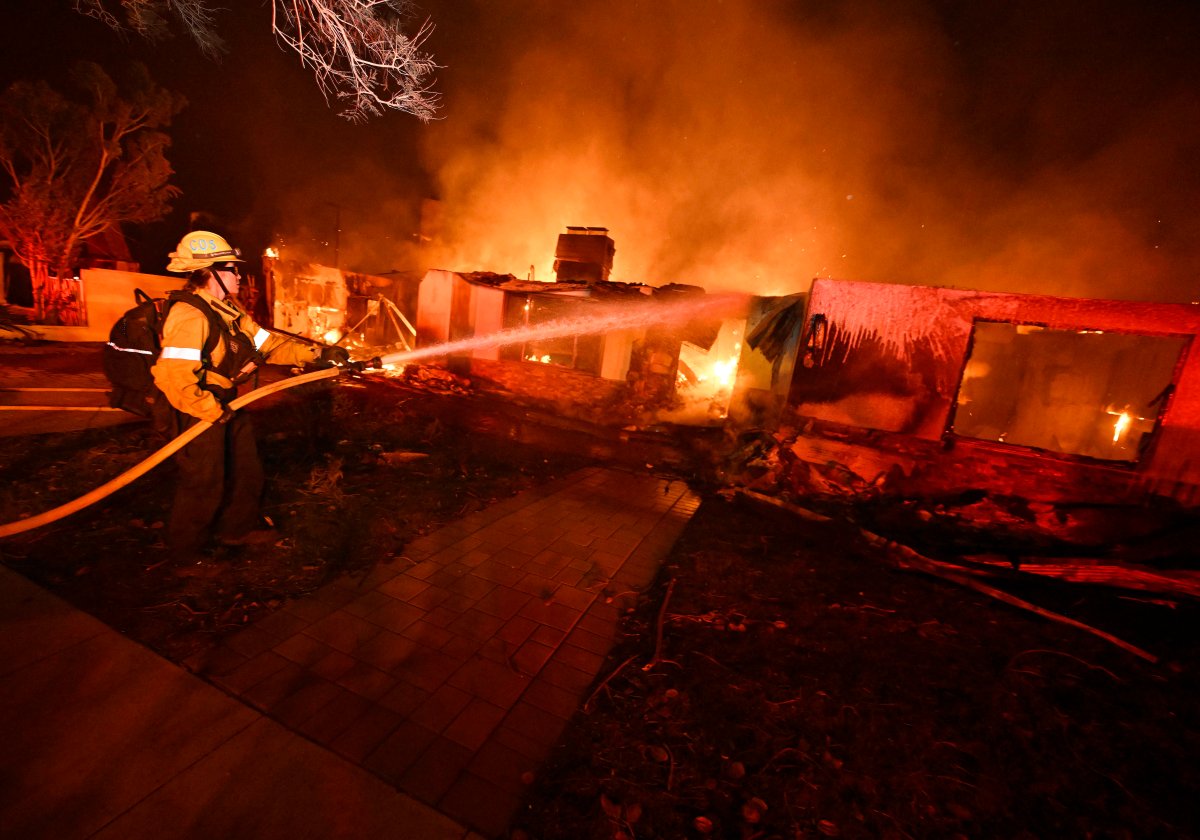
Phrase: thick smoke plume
{"type": "Point", "coordinates": [753, 146]}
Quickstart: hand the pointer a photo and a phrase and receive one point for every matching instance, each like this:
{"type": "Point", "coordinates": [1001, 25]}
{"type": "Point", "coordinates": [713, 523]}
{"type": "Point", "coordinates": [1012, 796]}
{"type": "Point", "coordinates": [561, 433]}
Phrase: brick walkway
{"type": "Point", "coordinates": [452, 672]}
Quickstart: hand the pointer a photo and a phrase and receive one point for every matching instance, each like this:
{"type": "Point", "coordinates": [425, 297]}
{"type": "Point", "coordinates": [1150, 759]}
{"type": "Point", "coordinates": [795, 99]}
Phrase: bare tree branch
{"type": "Point", "coordinates": [197, 17]}
{"type": "Point", "coordinates": [357, 50]}
{"type": "Point", "coordinates": [149, 18]}
{"type": "Point", "coordinates": [359, 55]}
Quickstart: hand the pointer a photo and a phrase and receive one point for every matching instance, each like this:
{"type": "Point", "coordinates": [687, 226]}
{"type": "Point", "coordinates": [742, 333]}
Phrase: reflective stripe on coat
{"type": "Point", "coordinates": [180, 371]}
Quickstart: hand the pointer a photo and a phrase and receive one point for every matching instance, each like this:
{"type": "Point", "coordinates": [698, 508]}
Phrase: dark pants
{"type": "Point", "coordinates": [220, 484]}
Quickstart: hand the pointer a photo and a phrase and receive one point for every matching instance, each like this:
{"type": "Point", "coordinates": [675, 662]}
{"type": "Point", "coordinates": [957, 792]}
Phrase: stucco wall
{"type": "Point", "coordinates": [107, 295]}
{"type": "Point", "coordinates": [434, 299]}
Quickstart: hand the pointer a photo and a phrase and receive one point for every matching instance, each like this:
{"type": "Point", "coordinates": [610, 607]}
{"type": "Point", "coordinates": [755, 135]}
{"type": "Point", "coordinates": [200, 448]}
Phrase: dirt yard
{"type": "Point", "coordinates": [780, 680]}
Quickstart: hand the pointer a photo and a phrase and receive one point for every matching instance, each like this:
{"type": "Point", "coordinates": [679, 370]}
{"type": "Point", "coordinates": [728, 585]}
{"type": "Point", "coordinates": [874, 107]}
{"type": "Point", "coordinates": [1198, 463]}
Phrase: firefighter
{"type": "Point", "coordinates": [220, 478]}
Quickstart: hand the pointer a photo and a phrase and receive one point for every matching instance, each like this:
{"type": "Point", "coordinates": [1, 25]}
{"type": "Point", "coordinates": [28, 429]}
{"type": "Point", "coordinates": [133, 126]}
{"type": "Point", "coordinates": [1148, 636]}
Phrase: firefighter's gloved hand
{"type": "Point", "coordinates": [359, 367]}
{"type": "Point", "coordinates": [334, 355]}
{"type": "Point", "coordinates": [225, 417]}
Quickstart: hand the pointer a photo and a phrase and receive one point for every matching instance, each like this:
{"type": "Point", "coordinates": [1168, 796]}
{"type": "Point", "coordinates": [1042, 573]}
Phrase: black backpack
{"type": "Point", "coordinates": [133, 347]}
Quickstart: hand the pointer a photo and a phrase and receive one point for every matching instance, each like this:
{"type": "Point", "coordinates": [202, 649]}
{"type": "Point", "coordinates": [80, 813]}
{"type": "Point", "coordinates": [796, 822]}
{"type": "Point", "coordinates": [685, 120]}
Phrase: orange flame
{"type": "Point", "coordinates": [1119, 427]}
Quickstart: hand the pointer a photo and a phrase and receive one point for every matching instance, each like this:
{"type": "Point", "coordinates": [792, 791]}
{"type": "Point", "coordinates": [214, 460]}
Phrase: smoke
{"type": "Point", "coordinates": [359, 216]}
{"type": "Point", "coordinates": [753, 146]}
{"type": "Point", "coordinates": [750, 146]}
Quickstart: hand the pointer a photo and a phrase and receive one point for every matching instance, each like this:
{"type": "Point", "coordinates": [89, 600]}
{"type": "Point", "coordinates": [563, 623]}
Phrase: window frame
{"type": "Point", "coordinates": [1143, 451]}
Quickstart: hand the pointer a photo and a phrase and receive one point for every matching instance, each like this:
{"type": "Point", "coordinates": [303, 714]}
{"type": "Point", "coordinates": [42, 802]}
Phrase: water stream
{"type": "Point", "coordinates": [606, 318]}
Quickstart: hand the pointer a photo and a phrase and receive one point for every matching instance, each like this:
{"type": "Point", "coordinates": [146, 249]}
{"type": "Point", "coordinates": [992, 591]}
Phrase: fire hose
{"type": "Point", "coordinates": [140, 469]}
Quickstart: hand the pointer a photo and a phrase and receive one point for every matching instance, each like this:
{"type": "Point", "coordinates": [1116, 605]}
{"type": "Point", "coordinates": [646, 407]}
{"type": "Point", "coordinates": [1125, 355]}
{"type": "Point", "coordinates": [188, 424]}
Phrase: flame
{"type": "Point", "coordinates": [1122, 423]}
{"type": "Point", "coordinates": [710, 384]}
{"type": "Point", "coordinates": [331, 337]}
{"type": "Point", "coordinates": [1119, 427]}
{"type": "Point", "coordinates": [722, 372]}
{"type": "Point", "coordinates": [271, 253]}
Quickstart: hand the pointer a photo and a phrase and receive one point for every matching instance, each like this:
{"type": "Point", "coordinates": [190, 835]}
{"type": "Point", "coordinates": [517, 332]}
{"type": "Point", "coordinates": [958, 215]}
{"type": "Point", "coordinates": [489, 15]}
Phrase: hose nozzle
{"type": "Point", "coordinates": [365, 364]}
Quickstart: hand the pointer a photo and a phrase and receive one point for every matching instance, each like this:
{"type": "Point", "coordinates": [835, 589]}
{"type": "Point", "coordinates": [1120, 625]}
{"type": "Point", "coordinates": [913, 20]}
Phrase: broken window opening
{"type": "Point", "coordinates": [1089, 393]}
{"type": "Point", "coordinates": [578, 352]}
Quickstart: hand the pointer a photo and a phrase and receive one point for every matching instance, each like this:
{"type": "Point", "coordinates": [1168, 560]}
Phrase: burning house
{"type": "Point", "coordinates": [864, 390]}
{"type": "Point", "coordinates": [644, 369]}
{"type": "Point", "coordinates": [1063, 404]}
{"type": "Point", "coordinates": [327, 304]}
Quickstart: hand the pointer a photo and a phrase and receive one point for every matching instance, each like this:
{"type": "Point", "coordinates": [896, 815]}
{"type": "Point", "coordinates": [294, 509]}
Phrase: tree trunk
{"type": "Point", "coordinates": [39, 273]}
{"type": "Point", "coordinates": [66, 297]}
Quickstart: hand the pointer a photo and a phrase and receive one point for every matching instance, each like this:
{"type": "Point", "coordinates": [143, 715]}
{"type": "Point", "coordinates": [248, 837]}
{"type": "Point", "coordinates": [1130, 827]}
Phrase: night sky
{"type": "Point", "coordinates": [1009, 146]}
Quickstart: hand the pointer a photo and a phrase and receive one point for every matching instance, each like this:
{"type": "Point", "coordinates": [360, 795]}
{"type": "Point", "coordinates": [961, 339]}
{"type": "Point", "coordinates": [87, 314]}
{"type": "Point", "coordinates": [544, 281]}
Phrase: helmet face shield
{"type": "Point", "coordinates": [202, 249]}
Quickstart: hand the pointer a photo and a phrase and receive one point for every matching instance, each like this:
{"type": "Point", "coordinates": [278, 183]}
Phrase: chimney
{"type": "Point", "coordinates": [583, 255]}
